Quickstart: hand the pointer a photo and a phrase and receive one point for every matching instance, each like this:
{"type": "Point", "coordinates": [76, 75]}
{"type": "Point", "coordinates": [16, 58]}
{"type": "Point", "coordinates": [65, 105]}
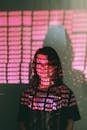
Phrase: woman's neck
{"type": "Point", "coordinates": [45, 83]}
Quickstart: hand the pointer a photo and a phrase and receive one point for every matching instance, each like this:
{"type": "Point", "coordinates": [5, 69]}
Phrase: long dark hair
{"type": "Point", "coordinates": [54, 60]}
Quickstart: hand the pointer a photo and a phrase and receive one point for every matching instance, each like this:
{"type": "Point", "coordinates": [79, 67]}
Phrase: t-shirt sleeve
{"type": "Point", "coordinates": [73, 112]}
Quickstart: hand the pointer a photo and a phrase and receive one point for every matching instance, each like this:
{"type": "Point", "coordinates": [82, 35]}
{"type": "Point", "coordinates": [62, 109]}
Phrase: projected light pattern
{"type": "Point", "coordinates": [23, 32]}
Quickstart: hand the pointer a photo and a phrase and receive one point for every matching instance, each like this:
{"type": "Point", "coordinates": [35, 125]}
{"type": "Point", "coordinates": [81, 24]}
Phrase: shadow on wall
{"type": "Point", "coordinates": [58, 38]}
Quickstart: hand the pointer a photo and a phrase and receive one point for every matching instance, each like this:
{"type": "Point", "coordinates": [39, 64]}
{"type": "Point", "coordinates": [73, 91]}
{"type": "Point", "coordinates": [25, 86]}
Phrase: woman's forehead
{"type": "Point", "coordinates": [42, 56]}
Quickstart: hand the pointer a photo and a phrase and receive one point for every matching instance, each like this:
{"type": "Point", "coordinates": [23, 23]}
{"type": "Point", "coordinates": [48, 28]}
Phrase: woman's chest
{"type": "Point", "coordinates": [47, 101]}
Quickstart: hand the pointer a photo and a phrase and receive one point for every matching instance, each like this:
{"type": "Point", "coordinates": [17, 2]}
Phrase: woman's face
{"type": "Point", "coordinates": [43, 68]}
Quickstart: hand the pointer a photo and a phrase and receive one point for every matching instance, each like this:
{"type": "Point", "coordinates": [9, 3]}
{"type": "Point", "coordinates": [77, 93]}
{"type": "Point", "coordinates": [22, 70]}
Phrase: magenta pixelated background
{"type": "Point", "coordinates": [23, 32]}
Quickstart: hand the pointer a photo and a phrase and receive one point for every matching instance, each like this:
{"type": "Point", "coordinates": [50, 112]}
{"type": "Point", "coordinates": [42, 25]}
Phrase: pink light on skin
{"type": "Point", "coordinates": [44, 70]}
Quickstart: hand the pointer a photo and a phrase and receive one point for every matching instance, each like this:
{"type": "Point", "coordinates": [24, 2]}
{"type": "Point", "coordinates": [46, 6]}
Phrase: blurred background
{"type": "Point", "coordinates": [28, 25]}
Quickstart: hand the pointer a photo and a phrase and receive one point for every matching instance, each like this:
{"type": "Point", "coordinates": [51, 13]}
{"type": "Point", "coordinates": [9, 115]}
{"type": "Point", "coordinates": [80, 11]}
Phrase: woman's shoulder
{"type": "Point", "coordinates": [63, 89]}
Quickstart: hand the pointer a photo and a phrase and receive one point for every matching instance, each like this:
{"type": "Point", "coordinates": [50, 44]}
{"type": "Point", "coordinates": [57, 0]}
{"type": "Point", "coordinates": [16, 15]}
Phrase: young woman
{"type": "Point", "coordinates": [47, 104]}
